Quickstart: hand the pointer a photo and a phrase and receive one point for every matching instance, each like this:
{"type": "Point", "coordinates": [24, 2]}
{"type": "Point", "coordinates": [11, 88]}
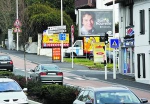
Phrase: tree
{"type": "Point", "coordinates": [41, 16]}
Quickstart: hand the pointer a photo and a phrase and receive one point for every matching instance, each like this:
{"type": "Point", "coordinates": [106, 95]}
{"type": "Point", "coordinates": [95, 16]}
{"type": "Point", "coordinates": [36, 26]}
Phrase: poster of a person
{"type": "Point", "coordinates": [88, 23]}
{"type": "Point", "coordinates": [95, 22]}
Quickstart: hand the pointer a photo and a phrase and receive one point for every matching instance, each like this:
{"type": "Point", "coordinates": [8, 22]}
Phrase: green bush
{"type": "Point", "coordinates": [6, 73]}
{"type": "Point", "coordinates": [56, 94]}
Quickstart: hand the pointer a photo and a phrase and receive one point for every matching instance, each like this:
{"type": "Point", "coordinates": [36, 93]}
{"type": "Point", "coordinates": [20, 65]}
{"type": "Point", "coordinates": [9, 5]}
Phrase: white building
{"type": "Point", "coordinates": [134, 26]}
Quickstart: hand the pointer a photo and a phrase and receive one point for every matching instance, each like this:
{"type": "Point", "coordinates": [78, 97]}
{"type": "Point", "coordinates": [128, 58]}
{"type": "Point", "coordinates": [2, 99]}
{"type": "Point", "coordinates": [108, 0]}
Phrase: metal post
{"type": "Point", "coordinates": [61, 25]}
{"type": "Point", "coordinates": [106, 64]}
{"type": "Point", "coordinates": [72, 52]}
{"type": "Point", "coordinates": [114, 53]}
{"type": "Point", "coordinates": [17, 18]}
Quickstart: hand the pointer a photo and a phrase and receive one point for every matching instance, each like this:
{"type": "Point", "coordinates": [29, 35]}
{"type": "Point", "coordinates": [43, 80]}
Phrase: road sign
{"type": "Point", "coordinates": [57, 27]}
{"type": "Point", "coordinates": [55, 31]}
{"type": "Point", "coordinates": [114, 43]}
{"type": "Point", "coordinates": [62, 36]}
{"type": "Point", "coordinates": [17, 23]}
{"type": "Point", "coordinates": [17, 29]}
{"type": "Point", "coordinates": [72, 33]}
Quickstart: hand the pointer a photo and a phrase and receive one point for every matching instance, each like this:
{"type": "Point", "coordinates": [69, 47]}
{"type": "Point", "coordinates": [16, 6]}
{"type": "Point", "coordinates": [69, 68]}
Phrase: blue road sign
{"type": "Point", "coordinates": [62, 36]}
{"type": "Point", "coordinates": [114, 43]}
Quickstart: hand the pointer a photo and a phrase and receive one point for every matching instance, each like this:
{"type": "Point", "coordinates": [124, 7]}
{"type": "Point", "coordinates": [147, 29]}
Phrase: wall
{"type": "Point", "coordinates": [142, 41]}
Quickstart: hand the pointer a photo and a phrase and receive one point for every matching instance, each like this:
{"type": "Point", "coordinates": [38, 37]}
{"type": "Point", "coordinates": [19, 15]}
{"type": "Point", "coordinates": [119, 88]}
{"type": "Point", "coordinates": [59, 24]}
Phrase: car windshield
{"type": "Point", "coordinates": [49, 67]}
{"type": "Point", "coordinates": [9, 87]}
{"type": "Point", "coordinates": [4, 58]}
{"type": "Point", "coordinates": [116, 97]}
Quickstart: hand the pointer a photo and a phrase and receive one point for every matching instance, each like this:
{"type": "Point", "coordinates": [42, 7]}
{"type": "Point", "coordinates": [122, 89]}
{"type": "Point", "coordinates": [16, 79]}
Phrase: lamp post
{"type": "Point", "coordinates": [114, 53]}
{"type": "Point", "coordinates": [17, 19]}
{"type": "Point", "coordinates": [61, 25]}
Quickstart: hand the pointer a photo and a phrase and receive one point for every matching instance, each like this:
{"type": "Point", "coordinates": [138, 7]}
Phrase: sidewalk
{"type": "Point", "coordinates": [120, 79]}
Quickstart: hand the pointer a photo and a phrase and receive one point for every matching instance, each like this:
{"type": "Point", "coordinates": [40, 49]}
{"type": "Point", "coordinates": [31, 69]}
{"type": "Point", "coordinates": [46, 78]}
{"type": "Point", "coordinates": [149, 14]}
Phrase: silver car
{"type": "Point", "coordinates": [108, 95]}
{"type": "Point", "coordinates": [11, 92]}
{"type": "Point", "coordinates": [47, 73]}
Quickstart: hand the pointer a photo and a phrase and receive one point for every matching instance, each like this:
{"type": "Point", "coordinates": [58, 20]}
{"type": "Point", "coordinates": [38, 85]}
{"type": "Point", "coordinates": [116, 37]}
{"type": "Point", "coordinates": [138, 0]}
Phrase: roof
{"type": "Point", "coordinates": [5, 79]}
{"type": "Point", "coordinates": [111, 88]}
{"type": "Point", "coordinates": [116, 1]}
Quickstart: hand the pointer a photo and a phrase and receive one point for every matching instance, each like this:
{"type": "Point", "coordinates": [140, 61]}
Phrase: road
{"type": "Point", "coordinates": [72, 77]}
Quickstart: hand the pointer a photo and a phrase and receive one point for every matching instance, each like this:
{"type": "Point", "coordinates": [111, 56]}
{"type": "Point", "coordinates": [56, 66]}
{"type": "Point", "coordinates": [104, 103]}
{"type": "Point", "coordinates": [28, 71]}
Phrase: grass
{"type": "Point", "coordinates": [89, 63]}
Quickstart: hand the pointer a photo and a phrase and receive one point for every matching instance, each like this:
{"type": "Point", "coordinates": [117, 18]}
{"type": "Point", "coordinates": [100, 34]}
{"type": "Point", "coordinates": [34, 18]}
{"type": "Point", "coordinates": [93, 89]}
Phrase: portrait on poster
{"type": "Point", "coordinates": [95, 22]}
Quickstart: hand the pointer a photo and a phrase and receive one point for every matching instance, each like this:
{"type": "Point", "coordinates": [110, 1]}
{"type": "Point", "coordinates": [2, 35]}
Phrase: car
{"type": "Point", "coordinates": [11, 92]}
{"type": "Point", "coordinates": [6, 63]}
{"type": "Point", "coordinates": [47, 73]}
{"type": "Point", "coordinates": [116, 94]}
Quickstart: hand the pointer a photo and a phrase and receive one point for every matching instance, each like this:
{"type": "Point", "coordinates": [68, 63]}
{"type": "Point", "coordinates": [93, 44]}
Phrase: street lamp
{"type": "Point", "coordinates": [114, 53]}
{"type": "Point", "coordinates": [61, 25]}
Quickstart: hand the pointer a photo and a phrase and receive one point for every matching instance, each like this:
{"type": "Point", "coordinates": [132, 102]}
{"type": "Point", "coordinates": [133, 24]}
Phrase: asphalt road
{"type": "Point", "coordinates": [82, 70]}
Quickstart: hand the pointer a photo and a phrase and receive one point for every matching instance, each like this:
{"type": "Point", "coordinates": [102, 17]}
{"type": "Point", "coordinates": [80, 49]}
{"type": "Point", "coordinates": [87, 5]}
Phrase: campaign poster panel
{"type": "Point", "coordinates": [95, 22]}
{"type": "Point", "coordinates": [52, 40]}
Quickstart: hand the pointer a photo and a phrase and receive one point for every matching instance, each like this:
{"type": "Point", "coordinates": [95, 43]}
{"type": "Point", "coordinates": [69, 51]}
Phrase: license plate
{"type": "Point", "coordinates": [52, 73]}
{"type": "Point", "coordinates": [3, 62]}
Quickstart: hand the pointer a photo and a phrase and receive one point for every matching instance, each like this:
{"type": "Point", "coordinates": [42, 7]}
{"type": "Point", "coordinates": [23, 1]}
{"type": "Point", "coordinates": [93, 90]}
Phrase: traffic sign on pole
{"type": "Point", "coordinates": [62, 36]}
{"type": "Point", "coordinates": [72, 33]}
{"type": "Point", "coordinates": [17, 23]}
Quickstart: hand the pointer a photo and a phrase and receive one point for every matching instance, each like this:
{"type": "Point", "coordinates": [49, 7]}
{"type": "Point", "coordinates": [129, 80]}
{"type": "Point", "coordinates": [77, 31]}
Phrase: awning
{"type": "Point", "coordinates": [116, 1]}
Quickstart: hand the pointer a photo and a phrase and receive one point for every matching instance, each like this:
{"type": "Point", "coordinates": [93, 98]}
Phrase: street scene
{"type": "Point", "coordinates": [74, 52]}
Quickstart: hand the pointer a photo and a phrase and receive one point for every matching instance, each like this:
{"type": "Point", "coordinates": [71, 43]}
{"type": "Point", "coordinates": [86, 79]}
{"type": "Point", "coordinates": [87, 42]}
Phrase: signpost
{"type": "Point", "coordinates": [72, 38]}
{"type": "Point", "coordinates": [56, 54]}
{"type": "Point", "coordinates": [114, 43]}
{"type": "Point", "coordinates": [62, 36]}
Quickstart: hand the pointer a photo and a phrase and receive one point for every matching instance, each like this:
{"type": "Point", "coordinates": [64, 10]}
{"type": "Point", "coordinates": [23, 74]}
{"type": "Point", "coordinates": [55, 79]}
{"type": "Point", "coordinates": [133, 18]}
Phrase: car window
{"type": "Point", "coordinates": [80, 96]}
{"type": "Point", "coordinates": [49, 67]}
{"type": "Point", "coordinates": [91, 96]}
{"type": "Point", "coordinates": [85, 96]}
{"type": "Point", "coordinates": [36, 68]}
{"type": "Point", "coordinates": [116, 97]}
{"type": "Point", "coordinates": [9, 86]}
{"type": "Point", "coordinates": [5, 58]}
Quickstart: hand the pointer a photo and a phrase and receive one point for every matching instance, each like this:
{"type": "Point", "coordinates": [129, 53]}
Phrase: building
{"type": "Point", "coordinates": [134, 30]}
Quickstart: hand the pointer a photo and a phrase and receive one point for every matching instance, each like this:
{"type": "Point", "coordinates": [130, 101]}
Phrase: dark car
{"type": "Point", "coordinates": [108, 95]}
{"type": "Point", "coordinates": [47, 73]}
{"type": "Point", "coordinates": [6, 62]}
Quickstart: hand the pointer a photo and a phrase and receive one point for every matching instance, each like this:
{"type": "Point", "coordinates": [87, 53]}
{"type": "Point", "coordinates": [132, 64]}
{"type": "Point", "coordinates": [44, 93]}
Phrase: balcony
{"type": "Point", "coordinates": [85, 4]}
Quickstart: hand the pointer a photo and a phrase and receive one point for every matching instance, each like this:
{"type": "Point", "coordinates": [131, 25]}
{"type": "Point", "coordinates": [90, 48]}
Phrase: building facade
{"type": "Point", "coordinates": [134, 30]}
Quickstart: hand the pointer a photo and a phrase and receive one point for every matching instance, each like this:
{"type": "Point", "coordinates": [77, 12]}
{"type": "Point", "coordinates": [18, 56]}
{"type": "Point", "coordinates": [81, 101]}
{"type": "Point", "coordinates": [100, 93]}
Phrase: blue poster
{"type": "Point", "coordinates": [125, 61]}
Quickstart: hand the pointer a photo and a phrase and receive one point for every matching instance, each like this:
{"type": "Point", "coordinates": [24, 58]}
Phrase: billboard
{"type": "Point", "coordinates": [95, 22]}
{"type": "Point", "coordinates": [52, 40]}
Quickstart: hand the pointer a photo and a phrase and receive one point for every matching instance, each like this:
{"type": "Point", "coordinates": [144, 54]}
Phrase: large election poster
{"type": "Point", "coordinates": [95, 22]}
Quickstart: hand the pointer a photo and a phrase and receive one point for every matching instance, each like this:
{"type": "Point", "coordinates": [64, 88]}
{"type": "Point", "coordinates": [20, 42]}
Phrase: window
{"type": "Point", "coordinates": [80, 95]}
{"type": "Point", "coordinates": [131, 15]}
{"type": "Point", "coordinates": [142, 22]}
{"type": "Point", "coordinates": [141, 65]}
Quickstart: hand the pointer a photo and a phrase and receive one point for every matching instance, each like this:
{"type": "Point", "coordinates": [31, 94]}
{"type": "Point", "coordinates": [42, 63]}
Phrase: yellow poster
{"type": "Point", "coordinates": [88, 43]}
{"type": "Point", "coordinates": [52, 40]}
{"type": "Point", "coordinates": [99, 52]}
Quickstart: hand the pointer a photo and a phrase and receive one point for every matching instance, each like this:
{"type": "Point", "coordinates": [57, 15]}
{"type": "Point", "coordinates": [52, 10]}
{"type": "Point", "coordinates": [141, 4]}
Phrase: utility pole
{"type": "Point", "coordinates": [105, 61]}
{"type": "Point", "coordinates": [62, 25]}
{"type": "Point", "coordinates": [17, 19]}
{"type": "Point", "coordinates": [114, 53]}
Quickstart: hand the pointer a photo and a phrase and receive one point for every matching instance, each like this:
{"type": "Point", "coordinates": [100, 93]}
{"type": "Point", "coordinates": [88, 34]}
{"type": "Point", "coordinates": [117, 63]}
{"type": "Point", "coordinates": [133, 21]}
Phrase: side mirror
{"type": "Point", "coordinates": [143, 100]}
{"type": "Point", "coordinates": [31, 70]}
{"type": "Point", "coordinates": [25, 89]}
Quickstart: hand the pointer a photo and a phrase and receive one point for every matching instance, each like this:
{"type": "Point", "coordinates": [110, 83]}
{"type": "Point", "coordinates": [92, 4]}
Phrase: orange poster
{"type": "Point", "coordinates": [56, 53]}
